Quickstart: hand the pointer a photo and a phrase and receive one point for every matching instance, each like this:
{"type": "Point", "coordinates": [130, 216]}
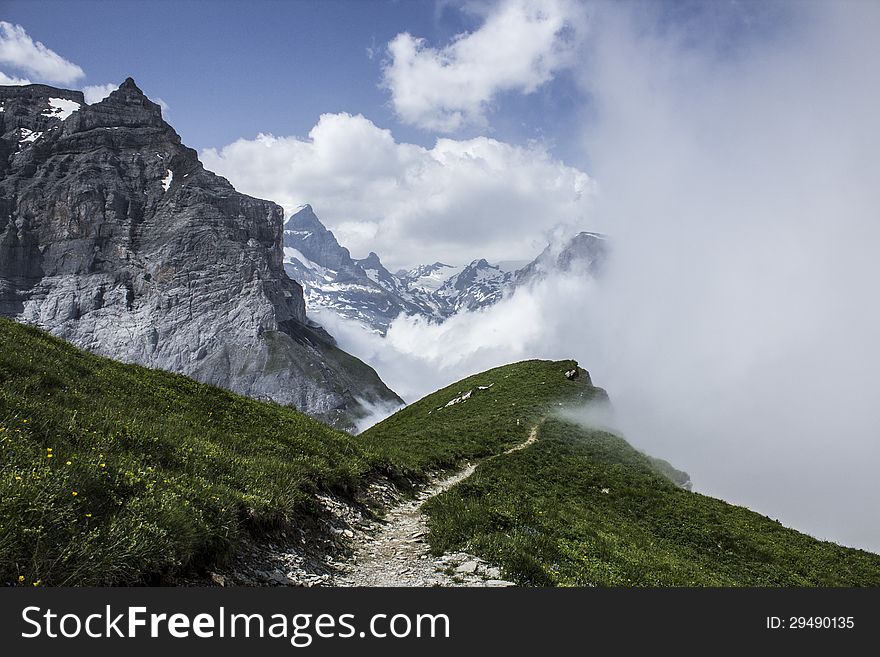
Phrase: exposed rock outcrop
{"type": "Point", "coordinates": [114, 237]}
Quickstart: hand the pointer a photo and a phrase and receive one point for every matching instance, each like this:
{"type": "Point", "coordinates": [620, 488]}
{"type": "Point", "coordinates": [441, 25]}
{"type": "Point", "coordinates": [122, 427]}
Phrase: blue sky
{"type": "Point", "coordinates": [230, 69]}
{"type": "Point", "coordinates": [484, 108]}
{"type": "Point", "coordinates": [458, 100]}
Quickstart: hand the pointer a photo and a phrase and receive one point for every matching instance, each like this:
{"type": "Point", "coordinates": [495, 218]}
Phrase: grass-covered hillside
{"type": "Point", "coordinates": [503, 405]}
{"type": "Point", "coordinates": [581, 506]}
{"type": "Point", "coordinates": [113, 472]}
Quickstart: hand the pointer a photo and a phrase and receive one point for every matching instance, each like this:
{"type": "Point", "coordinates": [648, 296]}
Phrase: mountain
{"type": "Point", "coordinates": [365, 291]}
{"type": "Point", "coordinates": [361, 290]}
{"type": "Point", "coordinates": [427, 278]}
{"type": "Point", "coordinates": [563, 504]}
{"type": "Point", "coordinates": [478, 285]}
{"type": "Point", "coordinates": [114, 237]}
{"type": "Point", "coordinates": [585, 254]}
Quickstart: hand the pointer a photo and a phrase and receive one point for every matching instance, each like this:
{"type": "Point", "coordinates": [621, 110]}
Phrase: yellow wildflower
{"type": "Point", "coordinates": [20, 579]}
{"type": "Point", "coordinates": [68, 463]}
{"type": "Point", "coordinates": [74, 493]}
{"type": "Point", "coordinates": [88, 515]}
{"type": "Point", "coordinates": [18, 478]}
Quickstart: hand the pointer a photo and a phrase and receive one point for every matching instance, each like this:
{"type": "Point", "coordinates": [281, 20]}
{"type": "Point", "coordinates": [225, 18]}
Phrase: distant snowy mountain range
{"type": "Point", "coordinates": [364, 290]}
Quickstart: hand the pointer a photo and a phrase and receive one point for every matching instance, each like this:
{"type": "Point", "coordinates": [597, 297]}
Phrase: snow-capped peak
{"type": "Point", "coordinates": [430, 278]}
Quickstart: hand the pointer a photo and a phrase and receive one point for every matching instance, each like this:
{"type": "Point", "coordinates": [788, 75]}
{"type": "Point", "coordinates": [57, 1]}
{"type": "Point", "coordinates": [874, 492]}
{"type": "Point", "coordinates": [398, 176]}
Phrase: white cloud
{"type": "Point", "coordinates": [521, 45]}
{"type": "Point", "coordinates": [741, 192]}
{"type": "Point", "coordinates": [457, 201]}
{"type": "Point", "coordinates": [417, 357]}
{"type": "Point", "coordinates": [165, 107]}
{"type": "Point", "coordinates": [12, 80]}
{"type": "Point", "coordinates": [19, 50]}
{"type": "Point", "coordinates": [735, 329]}
{"type": "Point", "coordinates": [95, 93]}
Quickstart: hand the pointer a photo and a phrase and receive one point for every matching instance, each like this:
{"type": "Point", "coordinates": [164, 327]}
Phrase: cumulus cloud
{"type": "Point", "coordinates": [19, 50]}
{"type": "Point", "coordinates": [457, 201]}
{"type": "Point", "coordinates": [95, 93]}
{"type": "Point", "coordinates": [417, 356]}
{"type": "Point", "coordinates": [521, 45]}
{"type": "Point", "coordinates": [739, 184]}
{"type": "Point", "coordinates": [734, 328]}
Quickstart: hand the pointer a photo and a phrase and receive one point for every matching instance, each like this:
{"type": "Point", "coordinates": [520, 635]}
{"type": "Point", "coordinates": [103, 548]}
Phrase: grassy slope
{"type": "Point", "coordinates": [169, 473]}
{"type": "Point", "coordinates": [542, 514]}
{"type": "Point", "coordinates": [428, 434]}
{"type": "Point", "coordinates": [110, 471]}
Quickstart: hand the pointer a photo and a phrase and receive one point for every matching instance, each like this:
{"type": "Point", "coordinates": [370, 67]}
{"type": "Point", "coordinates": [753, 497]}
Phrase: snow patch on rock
{"type": "Point", "coordinates": [61, 108]}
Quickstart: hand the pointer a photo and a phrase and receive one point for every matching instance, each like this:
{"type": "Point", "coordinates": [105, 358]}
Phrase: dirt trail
{"type": "Point", "coordinates": [393, 552]}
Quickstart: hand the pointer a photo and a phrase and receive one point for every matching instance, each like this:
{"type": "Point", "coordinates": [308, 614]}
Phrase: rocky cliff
{"type": "Point", "coordinates": [114, 237]}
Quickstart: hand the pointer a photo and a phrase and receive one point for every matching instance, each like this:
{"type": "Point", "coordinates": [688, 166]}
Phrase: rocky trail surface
{"type": "Point", "coordinates": [355, 548]}
{"type": "Point", "coordinates": [396, 554]}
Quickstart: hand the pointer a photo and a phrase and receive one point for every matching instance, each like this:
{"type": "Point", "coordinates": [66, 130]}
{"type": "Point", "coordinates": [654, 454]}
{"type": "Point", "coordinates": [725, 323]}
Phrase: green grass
{"type": "Point", "coordinates": [581, 507]}
{"type": "Point", "coordinates": [112, 473]}
{"type": "Point", "coordinates": [429, 435]}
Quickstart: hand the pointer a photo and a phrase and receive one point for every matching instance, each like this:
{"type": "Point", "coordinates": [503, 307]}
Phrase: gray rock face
{"type": "Point", "coordinates": [114, 237]}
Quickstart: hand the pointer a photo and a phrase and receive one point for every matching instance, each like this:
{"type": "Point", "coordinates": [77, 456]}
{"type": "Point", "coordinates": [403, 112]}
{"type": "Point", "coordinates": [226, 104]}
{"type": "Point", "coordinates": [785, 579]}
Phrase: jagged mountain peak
{"type": "Point", "coordinates": [114, 237]}
{"type": "Point", "coordinates": [129, 84]}
{"type": "Point", "coordinates": [364, 290]}
{"type": "Point", "coordinates": [304, 218]}
{"type": "Point", "coordinates": [585, 253]}
{"type": "Point", "coordinates": [371, 261]}
{"type": "Point", "coordinates": [128, 93]}
{"type": "Point", "coordinates": [305, 233]}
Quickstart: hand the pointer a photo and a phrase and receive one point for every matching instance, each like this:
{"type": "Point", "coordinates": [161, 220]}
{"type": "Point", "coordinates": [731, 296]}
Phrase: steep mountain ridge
{"type": "Point", "coordinates": [365, 291]}
{"type": "Point", "coordinates": [478, 285]}
{"type": "Point", "coordinates": [114, 237]}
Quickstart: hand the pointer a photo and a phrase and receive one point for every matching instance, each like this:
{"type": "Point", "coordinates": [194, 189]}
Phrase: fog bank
{"type": "Point", "coordinates": [735, 329]}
